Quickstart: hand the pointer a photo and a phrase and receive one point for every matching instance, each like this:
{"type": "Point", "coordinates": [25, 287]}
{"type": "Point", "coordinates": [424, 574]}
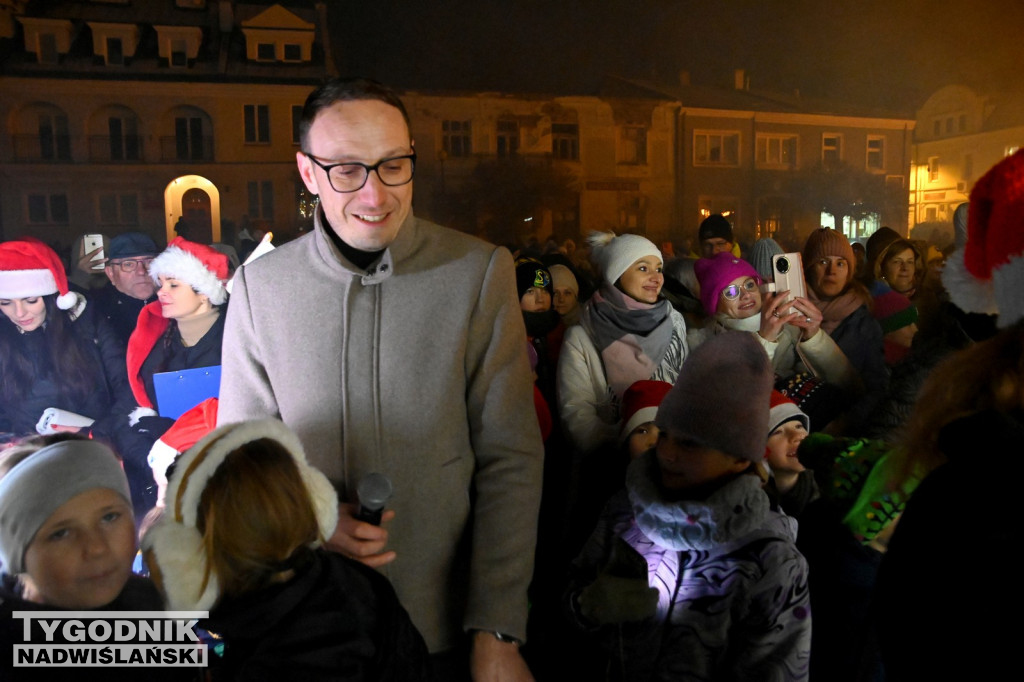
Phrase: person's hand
{"type": "Point", "coordinates": [359, 540]}
{"type": "Point", "coordinates": [491, 660]}
{"type": "Point", "coordinates": [611, 599]}
{"type": "Point", "coordinates": [809, 319]}
{"type": "Point", "coordinates": [87, 264]}
{"type": "Point", "coordinates": [772, 317]}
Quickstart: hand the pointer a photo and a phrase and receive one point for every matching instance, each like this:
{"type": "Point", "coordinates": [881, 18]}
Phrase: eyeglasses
{"type": "Point", "coordinates": [351, 175]}
{"type": "Point", "coordinates": [130, 265]}
{"type": "Point", "coordinates": [733, 291]}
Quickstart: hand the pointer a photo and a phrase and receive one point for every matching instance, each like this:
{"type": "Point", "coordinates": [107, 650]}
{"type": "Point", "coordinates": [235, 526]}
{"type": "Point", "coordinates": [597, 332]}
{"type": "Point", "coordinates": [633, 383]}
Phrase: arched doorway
{"type": "Point", "coordinates": [192, 206]}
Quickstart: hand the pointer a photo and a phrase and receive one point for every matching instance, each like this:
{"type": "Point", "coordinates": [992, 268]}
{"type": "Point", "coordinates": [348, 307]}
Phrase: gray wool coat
{"type": "Point", "coordinates": [416, 369]}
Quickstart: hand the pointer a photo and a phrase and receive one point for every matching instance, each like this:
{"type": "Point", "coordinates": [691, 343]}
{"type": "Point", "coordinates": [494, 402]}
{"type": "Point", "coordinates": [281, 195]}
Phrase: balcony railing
{"type": "Point", "coordinates": [125, 149]}
{"type": "Point", "coordinates": [186, 148]}
{"type": "Point", "coordinates": [55, 148]}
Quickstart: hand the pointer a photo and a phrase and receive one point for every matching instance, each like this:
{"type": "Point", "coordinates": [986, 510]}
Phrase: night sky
{"type": "Point", "coordinates": [882, 53]}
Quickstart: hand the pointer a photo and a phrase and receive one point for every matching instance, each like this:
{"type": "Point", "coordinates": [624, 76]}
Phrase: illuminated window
{"type": "Point", "coordinates": [565, 141]}
{"type": "Point", "coordinates": [257, 124]}
{"type": "Point", "coordinates": [831, 148]}
{"type": "Point", "coordinates": [933, 168]}
{"type": "Point", "coordinates": [716, 149]}
{"type": "Point", "coordinates": [726, 206]}
{"type": "Point", "coordinates": [261, 200]}
{"type": "Point", "coordinates": [776, 150]}
{"type": "Point", "coordinates": [876, 152]}
{"type": "Point", "coordinates": [457, 138]}
{"type": "Point", "coordinates": [633, 145]}
{"type": "Point", "coordinates": [507, 132]}
{"type": "Point", "coordinates": [48, 209]}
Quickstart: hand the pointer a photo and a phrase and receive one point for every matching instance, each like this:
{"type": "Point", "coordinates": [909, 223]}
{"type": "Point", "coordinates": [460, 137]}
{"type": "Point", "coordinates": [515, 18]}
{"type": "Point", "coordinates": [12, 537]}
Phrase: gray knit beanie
{"type": "Point", "coordinates": [721, 396]}
{"type": "Point", "coordinates": [761, 257]}
{"type": "Point", "coordinates": [38, 485]}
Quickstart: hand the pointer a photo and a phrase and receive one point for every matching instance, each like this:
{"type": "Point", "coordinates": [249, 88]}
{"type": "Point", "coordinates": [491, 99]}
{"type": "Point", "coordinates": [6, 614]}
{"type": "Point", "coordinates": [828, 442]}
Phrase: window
{"type": "Point", "coordinates": [632, 211]}
{"type": "Point", "coordinates": [292, 52]}
{"type": "Point", "coordinates": [115, 52]}
{"type": "Point", "coordinates": [179, 53]}
{"type": "Point", "coordinates": [48, 209]}
{"type": "Point", "coordinates": [188, 138]}
{"type": "Point", "coordinates": [257, 124]}
{"type": "Point", "coordinates": [831, 148]}
{"type": "Point", "coordinates": [565, 141]}
{"type": "Point", "coordinates": [265, 52]}
{"type": "Point", "coordinates": [876, 153]}
{"type": "Point", "coordinates": [776, 150]}
{"type": "Point", "coordinates": [124, 138]}
{"type": "Point", "coordinates": [931, 214]}
{"type": "Point", "coordinates": [933, 168]}
{"type": "Point", "coordinates": [936, 127]}
{"type": "Point", "coordinates": [633, 145]}
{"type": "Point", "coordinates": [118, 209]}
{"type": "Point", "coordinates": [508, 138]}
{"type": "Point", "coordinates": [726, 206]}
{"type": "Point", "coordinates": [716, 149]}
{"type": "Point", "coordinates": [296, 120]}
{"type": "Point", "coordinates": [457, 139]}
{"type": "Point", "coordinates": [54, 141]}
{"type": "Point", "coordinates": [47, 48]}
{"type": "Point", "coordinates": [261, 200]}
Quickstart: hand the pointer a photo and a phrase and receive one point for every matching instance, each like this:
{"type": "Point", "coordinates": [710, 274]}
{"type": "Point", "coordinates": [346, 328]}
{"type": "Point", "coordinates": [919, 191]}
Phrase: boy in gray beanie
{"type": "Point", "coordinates": [691, 555]}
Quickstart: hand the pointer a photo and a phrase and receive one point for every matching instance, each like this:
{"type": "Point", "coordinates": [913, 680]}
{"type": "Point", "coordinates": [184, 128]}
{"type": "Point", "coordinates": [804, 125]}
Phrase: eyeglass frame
{"type": "Point", "coordinates": [327, 171]}
{"type": "Point", "coordinates": [136, 262]}
{"type": "Point", "coordinates": [752, 288]}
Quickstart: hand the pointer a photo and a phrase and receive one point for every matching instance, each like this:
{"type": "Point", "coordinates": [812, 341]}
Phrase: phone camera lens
{"type": "Point", "coordinates": [782, 265]}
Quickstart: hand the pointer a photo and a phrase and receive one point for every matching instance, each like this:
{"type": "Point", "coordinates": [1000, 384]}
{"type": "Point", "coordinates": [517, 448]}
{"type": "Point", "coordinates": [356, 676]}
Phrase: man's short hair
{"type": "Point", "coordinates": [346, 90]}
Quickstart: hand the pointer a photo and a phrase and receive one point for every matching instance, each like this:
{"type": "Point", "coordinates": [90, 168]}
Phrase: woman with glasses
{"type": "Point", "coordinates": [55, 352]}
{"type": "Point", "coordinates": [790, 331]}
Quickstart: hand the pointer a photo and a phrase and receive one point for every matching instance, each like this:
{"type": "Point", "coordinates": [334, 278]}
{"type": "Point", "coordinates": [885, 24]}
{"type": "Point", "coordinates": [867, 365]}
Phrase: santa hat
{"type": "Point", "coordinates": [190, 427]}
{"type": "Point", "coordinates": [640, 404]}
{"type": "Point", "coordinates": [782, 409]}
{"type": "Point", "coordinates": [987, 275]}
{"type": "Point", "coordinates": [30, 268]}
{"type": "Point", "coordinates": [201, 267]}
{"type": "Point", "coordinates": [173, 546]}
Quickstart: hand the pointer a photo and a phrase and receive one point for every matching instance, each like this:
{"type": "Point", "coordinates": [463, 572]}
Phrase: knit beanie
{"type": "Point", "coordinates": [720, 398]}
{"type": "Point", "coordinates": [894, 311]}
{"type": "Point", "coordinates": [173, 546]}
{"type": "Point", "coordinates": [30, 268]}
{"type": "Point", "coordinates": [530, 273]}
{"type": "Point", "coordinates": [761, 257]}
{"type": "Point", "coordinates": [715, 226]}
{"type": "Point", "coordinates": [987, 276]}
{"type": "Point", "coordinates": [714, 274]}
{"type": "Point", "coordinates": [613, 254]}
{"type": "Point", "coordinates": [825, 243]}
{"type": "Point", "coordinates": [41, 483]}
{"type": "Point", "coordinates": [562, 278]}
{"type": "Point", "coordinates": [199, 266]}
{"type": "Point", "coordinates": [640, 404]}
{"type": "Point", "coordinates": [877, 245]}
{"type": "Point", "coordinates": [782, 409]}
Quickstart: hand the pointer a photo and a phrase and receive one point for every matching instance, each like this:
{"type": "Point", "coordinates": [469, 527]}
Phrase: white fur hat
{"type": "Point", "coordinates": [173, 547]}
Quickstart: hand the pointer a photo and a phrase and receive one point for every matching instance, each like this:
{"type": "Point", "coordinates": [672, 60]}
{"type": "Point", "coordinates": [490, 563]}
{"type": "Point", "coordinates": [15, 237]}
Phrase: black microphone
{"type": "Point", "coordinates": [374, 490]}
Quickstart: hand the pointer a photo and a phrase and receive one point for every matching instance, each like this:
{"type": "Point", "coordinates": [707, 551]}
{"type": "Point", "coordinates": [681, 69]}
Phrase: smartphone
{"type": "Point", "coordinates": [90, 243]}
{"type": "Point", "coordinates": [788, 269]}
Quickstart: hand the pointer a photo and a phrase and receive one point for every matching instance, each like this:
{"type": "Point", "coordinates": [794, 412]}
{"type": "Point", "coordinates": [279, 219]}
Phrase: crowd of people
{"type": "Point", "coordinates": [611, 463]}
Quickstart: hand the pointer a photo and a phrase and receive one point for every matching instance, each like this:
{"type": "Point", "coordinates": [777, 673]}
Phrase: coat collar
{"type": "Point", "coordinates": [380, 271]}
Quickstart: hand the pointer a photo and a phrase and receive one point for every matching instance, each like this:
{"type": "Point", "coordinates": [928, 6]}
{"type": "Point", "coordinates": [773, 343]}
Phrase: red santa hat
{"type": "Point", "coordinates": [987, 275]}
{"type": "Point", "coordinates": [201, 267]}
{"type": "Point", "coordinates": [30, 268]}
{"type": "Point", "coordinates": [640, 404]}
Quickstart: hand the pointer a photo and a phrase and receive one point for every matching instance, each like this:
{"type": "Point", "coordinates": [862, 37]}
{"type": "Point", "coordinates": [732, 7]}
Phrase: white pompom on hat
{"type": "Point", "coordinates": [613, 254]}
{"type": "Point", "coordinates": [30, 268]}
{"type": "Point", "coordinates": [201, 267]}
{"type": "Point", "coordinates": [173, 546]}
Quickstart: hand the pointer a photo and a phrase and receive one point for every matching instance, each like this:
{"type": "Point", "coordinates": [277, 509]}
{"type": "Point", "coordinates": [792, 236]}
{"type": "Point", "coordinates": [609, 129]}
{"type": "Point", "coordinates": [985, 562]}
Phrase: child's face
{"type": "Point", "coordinates": [783, 444]}
{"type": "Point", "coordinates": [686, 465]}
{"type": "Point", "coordinates": [641, 439]}
{"type": "Point", "coordinates": [82, 556]}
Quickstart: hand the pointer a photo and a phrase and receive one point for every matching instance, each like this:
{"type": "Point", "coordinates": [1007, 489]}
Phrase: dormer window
{"type": "Point", "coordinates": [47, 39]}
{"type": "Point", "coordinates": [114, 43]}
{"type": "Point", "coordinates": [277, 35]}
{"type": "Point", "coordinates": [265, 52]}
{"type": "Point", "coordinates": [179, 45]}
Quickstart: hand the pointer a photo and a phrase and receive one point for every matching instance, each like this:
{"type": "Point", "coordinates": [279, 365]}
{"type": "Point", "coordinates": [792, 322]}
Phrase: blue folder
{"type": "Point", "coordinates": [178, 392]}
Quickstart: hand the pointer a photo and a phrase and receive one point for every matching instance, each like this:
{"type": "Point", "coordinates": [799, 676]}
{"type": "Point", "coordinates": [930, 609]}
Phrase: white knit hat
{"type": "Point", "coordinates": [173, 546]}
{"type": "Point", "coordinates": [613, 254]}
{"type": "Point", "coordinates": [201, 267]}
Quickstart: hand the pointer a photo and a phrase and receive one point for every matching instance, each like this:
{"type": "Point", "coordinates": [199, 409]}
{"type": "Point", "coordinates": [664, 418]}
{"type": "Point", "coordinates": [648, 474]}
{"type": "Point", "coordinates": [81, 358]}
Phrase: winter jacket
{"type": "Point", "coordinates": [733, 602]}
{"type": "Point", "coordinates": [416, 369]}
{"type": "Point", "coordinates": [859, 336]}
{"type": "Point", "coordinates": [336, 620]}
{"type": "Point", "coordinates": [119, 309]}
{"type": "Point", "coordinates": [588, 406]}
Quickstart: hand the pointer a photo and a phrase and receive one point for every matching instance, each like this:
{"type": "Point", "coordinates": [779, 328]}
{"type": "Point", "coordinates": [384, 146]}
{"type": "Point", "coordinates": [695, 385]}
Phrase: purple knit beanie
{"type": "Point", "coordinates": [715, 273]}
{"type": "Point", "coordinates": [722, 395]}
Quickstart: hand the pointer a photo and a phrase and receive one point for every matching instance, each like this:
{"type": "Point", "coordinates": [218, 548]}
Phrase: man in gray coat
{"type": "Point", "coordinates": [392, 345]}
